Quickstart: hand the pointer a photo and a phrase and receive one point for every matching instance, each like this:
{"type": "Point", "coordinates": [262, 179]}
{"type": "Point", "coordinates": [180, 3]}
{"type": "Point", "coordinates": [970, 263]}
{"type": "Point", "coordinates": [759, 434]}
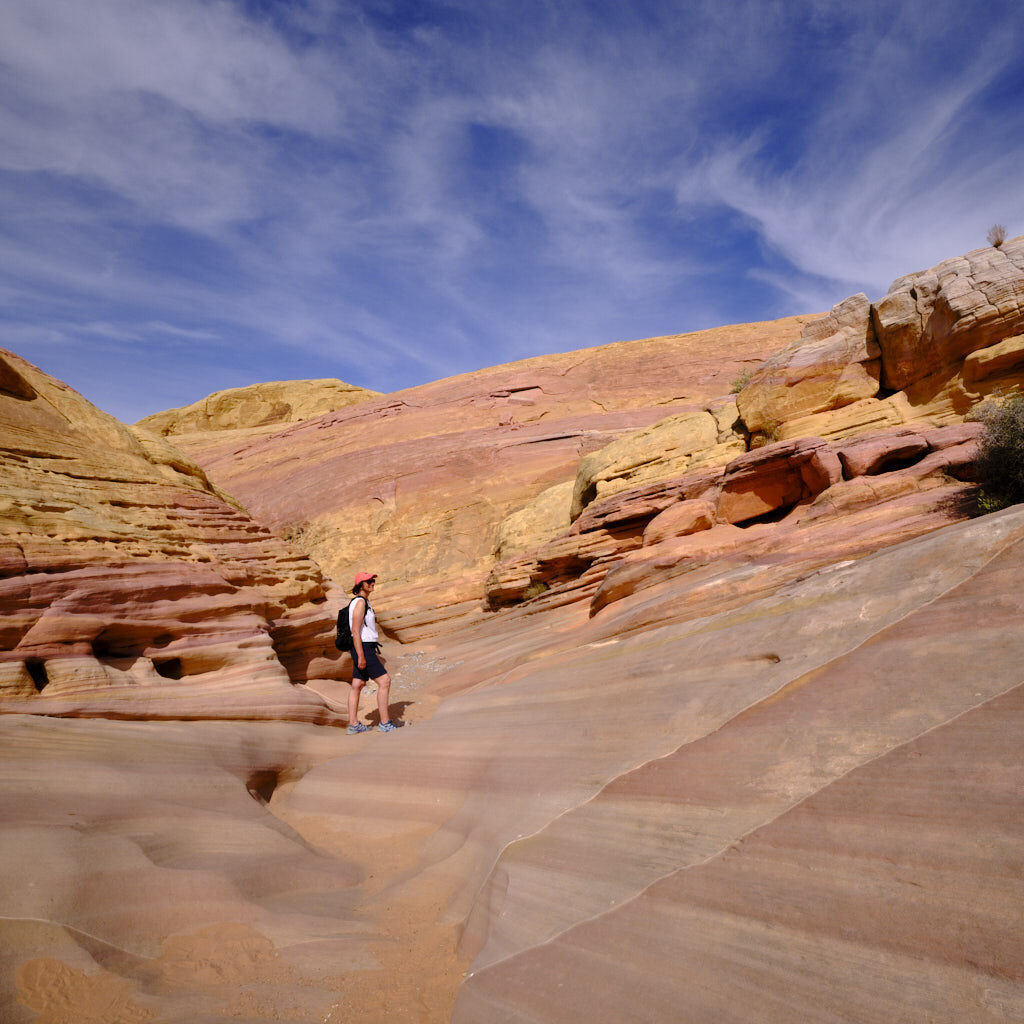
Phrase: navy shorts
{"type": "Point", "coordinates": [374, 666]}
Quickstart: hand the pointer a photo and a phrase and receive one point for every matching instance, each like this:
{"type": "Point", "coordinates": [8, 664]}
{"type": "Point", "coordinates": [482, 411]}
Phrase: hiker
{"type": "Point", "coordinates": [365, 651]}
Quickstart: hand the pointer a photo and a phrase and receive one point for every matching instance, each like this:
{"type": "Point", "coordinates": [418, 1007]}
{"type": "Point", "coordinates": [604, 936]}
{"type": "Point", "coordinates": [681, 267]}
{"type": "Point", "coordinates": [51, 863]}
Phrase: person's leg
{"type": "Point", "coordinates": [383, 690]}
{"type": "Point", "coordinates": [354, 693]}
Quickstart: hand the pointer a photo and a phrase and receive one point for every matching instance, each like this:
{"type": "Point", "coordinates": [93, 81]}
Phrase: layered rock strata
{"type": "Point", "coordinates": [258, 405]}
{"type": "Point", "coordinates": [131, 586]}
{"type": "Point", "coordinates": [835, 362]}
{"type": "Point", "coordinates": [937, 343]}
{"type": "Point", "coordinates": [766, 496]}
{"type": "Point", "coordinates": [670, 447]}
{"type": "Point", "coordinates": [825, 774]}
{"type": "Point", "coordinates": [829, 381]}
{"type": "Point", "coordinates": [416, 484]}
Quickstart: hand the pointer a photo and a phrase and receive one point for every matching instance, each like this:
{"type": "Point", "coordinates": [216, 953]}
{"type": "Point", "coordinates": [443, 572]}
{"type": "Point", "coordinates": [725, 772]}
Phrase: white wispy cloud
{"type": "Point", "coordinates": [898, 170]}
{"type": "Point", "coordinates": [324, 185]}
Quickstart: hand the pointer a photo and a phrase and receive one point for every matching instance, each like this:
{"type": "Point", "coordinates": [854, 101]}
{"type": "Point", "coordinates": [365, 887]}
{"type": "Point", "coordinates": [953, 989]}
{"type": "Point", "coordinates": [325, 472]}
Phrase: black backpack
{"type": "Point", "coordinates": [343, 637]}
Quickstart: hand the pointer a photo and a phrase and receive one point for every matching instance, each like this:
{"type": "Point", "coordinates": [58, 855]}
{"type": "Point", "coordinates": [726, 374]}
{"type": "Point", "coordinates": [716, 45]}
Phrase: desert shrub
{"type": "Point", "coordinates": [996, 235]}
{"type": "Point", "coordinates": [980, 413]}
{"type": "Point", "coordinates": [999, 466]}
{"type": "Point", "coordinates": [740, 382]}
{"type": "Point", "coordinates": [535, 589]}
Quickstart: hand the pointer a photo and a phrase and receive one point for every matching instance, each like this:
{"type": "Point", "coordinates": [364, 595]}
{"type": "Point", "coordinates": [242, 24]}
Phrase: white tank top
{"type": "Point", "coordinates": [368, 634]}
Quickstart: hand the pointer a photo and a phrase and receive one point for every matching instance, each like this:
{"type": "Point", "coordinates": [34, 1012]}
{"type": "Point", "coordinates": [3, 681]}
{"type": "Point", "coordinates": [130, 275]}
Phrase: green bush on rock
{"type": "Point", "coordinates": [740, 382]}
{"type": "Point", "coordinates": [1000, 462]}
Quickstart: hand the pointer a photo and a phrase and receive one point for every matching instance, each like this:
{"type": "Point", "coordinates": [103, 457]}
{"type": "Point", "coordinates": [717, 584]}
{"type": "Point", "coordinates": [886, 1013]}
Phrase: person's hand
{"type": "Point", "coordinates": [362, 661]}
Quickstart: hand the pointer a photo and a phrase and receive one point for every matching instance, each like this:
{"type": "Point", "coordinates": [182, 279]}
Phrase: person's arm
{"type": "Point", "coordinates": [358, 614]}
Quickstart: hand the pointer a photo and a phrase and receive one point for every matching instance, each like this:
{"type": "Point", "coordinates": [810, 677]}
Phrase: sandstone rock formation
{"type": "Point", "coordinates": [415, 485]}
{"type": "Point", "coordinates": [749, 799]}
{"type": "Point", "coordinates": [156, 882]}
{"type": "Point", "coordinates": [824, 384]}
{"type": "Point", "coordinates": [258, 405]}
{"type": "Point", "coordinates": [737, 739]}
{"type": "Point", "coordinates": [935, 318]}
{"type": "Point", "coordinates": [834, 363]}
{"type": "Point", "coordinates": [131, 587]}
{"type": "Point", "coordinates": [668, 448]}
{"type": "Point", "coordinates": [940, 340]}
{"type": "Point", "coordinates": [827, 775]}
{"type": "Point", "coordinates": [780, 495]}
{"type": "Point", "coordinates": [543, 518]}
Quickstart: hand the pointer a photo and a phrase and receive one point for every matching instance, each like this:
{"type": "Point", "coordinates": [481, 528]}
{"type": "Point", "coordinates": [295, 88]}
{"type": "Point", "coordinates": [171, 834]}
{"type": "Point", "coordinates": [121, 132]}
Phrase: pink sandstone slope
{"type": "Point", "coordinates": [415, 484]}
{"type": "Point", "coordinates": [588, 768]}
{"type": "Point", "coordinates": [802, 808]}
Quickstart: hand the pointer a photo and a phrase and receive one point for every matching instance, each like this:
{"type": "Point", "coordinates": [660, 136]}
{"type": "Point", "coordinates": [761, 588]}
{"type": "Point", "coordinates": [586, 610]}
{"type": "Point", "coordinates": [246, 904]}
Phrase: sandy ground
{"type": "Point", "coordinates": [232, 972]}
{"type": "Point", "coordinates": [387, 955]}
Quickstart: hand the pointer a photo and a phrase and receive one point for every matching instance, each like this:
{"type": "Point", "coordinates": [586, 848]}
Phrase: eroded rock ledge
{"type": "Point", "coordinates": [634, 538]}
{"type": "Point", "coordinates": [132, 587]}
{"type": "Point", "coordinates": [939, 341]}
{"type": "Point", "coordinates": [826, 434]}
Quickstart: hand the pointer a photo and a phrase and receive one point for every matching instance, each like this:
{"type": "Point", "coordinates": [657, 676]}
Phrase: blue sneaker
{"type": "Point", "coordinates": [357, 727]}
{"type": "Point", "coordinates": [386, 727]}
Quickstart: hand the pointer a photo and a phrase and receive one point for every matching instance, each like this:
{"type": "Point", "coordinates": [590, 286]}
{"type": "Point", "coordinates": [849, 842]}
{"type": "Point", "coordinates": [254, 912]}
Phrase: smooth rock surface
{"type": "Point", "coordinates": [415, 484]}
{"type": "Point", "coordinates": [258, 405]}
{"type": "Point", "coordinates": [157, 881]}
{"type": "Point", "coordinates": [740, 720]}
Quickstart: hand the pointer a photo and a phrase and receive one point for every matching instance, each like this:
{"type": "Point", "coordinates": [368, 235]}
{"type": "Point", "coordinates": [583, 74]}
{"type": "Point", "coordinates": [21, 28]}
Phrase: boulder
{"type": "Point", "coordinates": [727, 418]}
{"type": "Point", "coordinates": [258, 405]}
{"type": "Point", "coordinates": [935, 318]}
{"type": "Point", "coordinates": [871, 454]}
{"type": "Point", "coordinates": [540, 520]}
{"type": "Point", "coordinates": [775, 478]}
{"type": "Point", "coordinates": [668, 449]}
{"type": "Point", "coordinates": [680, 519]}
{"type": "Point", "coordinates": [834, 363]}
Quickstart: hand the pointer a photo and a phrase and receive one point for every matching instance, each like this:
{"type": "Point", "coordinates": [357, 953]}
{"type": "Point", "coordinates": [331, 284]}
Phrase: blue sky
{"type": "Point", "coordinates": [198, 195]}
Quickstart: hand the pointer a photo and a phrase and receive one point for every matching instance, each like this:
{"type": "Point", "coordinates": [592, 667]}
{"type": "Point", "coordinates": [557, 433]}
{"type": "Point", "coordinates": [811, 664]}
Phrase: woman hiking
{"type": "Point", "coordinates": [365, 651]}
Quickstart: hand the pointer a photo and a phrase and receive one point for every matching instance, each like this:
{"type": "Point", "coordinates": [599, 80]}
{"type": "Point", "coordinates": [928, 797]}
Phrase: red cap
{"type": "Point", "coordinates": [363, 577]}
